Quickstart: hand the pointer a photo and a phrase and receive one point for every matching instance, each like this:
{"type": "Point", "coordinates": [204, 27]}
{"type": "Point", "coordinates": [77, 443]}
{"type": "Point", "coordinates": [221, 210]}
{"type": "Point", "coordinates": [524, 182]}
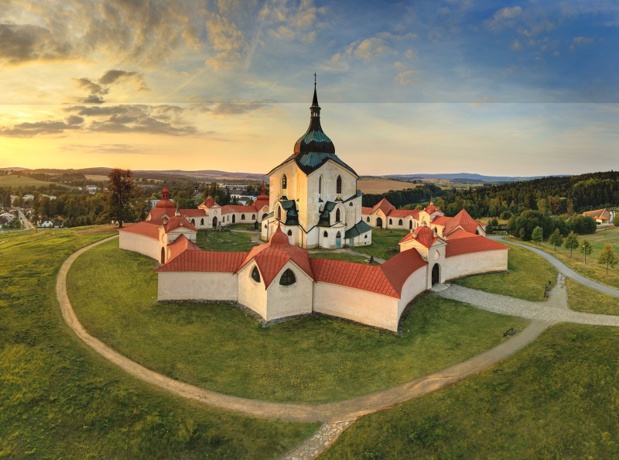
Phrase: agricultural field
{"type": "Point", "coordinates": [15, 180]}
{"type": "Point", "coordinates": [96, 178]}
{"type": "Point", "coordinates": [61, 400]}
{"type": "Point", "coordinates": [377, 186]}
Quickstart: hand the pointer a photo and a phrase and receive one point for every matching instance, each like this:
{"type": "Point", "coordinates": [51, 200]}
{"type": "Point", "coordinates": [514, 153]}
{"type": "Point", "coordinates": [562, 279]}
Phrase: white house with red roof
{"type": "Point", "coordinates": [313, 202]}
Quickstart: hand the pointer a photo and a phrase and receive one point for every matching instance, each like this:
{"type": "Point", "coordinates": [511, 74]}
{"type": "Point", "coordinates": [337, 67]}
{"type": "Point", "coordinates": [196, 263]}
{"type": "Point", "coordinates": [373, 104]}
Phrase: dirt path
{"type": "Point", "coordinates": [329, 412]}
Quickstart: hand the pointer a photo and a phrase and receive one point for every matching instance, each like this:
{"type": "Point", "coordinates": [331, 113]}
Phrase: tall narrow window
{"type": "Point", "coordinates": [338, 185]}
{"type": "Point", "coordinates": [338, 216]}
{"type": "Point", "coordinates": [279, 213]}
{"type": "Point", "coordinates": [287, 278]}
{"type": "Point", "coordinates": [320, 185]}
{"type": "Point", "coordinates": [284, 182]}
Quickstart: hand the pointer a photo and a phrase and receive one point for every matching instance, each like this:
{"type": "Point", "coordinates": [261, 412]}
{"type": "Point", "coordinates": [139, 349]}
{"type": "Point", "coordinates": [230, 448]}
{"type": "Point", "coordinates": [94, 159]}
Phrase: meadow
{"type": "Point", "coordinates": [311, 359]}
{"type": "Point", "coordinates": [379, 186]}
{"type": "Point", "coordinates": [61, 400]}
{"type": "Point", "coordinates": [15, 180]}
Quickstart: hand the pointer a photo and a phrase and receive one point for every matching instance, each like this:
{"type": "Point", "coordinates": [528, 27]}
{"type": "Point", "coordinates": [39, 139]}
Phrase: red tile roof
{"type": "Point", "coordinates": [204, 261]}
{"type": "Point", "coordinates": [193, 212]}
{"type": "Point", "coordinates": [431, 208]}
{"type": "Point", "coordinates": [209, 202]}
{"type": "Point", "coordinates": [441, 220]}
{"type": "Point", "coordinates": [386, 279]}
{"type": "Point", "coordinates": [146, 228]}
{"type": "Point", "coordinates": [384, 206]}
{"type": "Point", "coordinates": [177, 222]}
{"type": "Point", "coordinates": [366, 210]}
{"type": "Point", "coordinates": [423, 235]}
{"type": "Point", "coordinates": [462, 219]}
{"type": "Point", "coordinates": [601, 214]}
{"type": "Point", "coordinates": [459, 233]}
{"type": "Point", "coordinates": [158, 213]}
{"type": "Point", "coordinates": [180, 245]}
{"type": "Point", "coordinates": [237, 208]}
{"type": "Point", "coordinates": [261, 201]}
{"type": "Point", "coordinates": [272, 256]}
{"type": "Point", "coordinates": [474, 243]}
{"type": "Point", "coordinates": [404, 213]}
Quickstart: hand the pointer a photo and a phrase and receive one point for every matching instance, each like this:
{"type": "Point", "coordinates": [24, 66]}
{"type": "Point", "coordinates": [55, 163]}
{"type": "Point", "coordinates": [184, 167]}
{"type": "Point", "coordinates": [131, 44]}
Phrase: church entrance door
{"type": "Point", "coordinates": [379, 222]}
{"type": "Point", "coordinates": [233, 218]}
{"type": "Point", "coordinates": [436, 274]}
{"type": "Point", "coordinates": [338, 240]}
{"type": "Point", "coordinates": [215, 222]}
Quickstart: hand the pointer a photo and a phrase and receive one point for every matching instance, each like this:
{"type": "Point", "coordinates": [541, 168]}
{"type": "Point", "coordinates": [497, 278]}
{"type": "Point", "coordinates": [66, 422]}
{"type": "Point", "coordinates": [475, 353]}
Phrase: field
{"type": "Point", "coordinates": [24, 181]}
{"type": "Point", "coordinates": [527, 276]}
{"type": "Point", "coordinates": [96, 178]}
{"type": "Point", "coordinates": [311, 359]}
{"type": "Point", "coordinates": [378, 186]}
{"type": "Point", "coordinates": [591, 269]}
{"type": "Point", "coordinates": [60, 400]}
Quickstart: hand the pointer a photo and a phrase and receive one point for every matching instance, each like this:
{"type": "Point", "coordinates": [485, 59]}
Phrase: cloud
{"type": "Point", "coordinates": [503, 17]}
{"type": "Point", "coordinates": [21, 43]}
{"type": "Point", "coordinates": [407, 77]}
{"type": "Point", "coordinates": [290, 20]}
{"type": "Point", "coordinates": [103, 85]}
{"type": "Point", "coordinates": [368, 49]}
{"type": "Point", "coordinates": [226, 41]}
{"type": "Point", "coordinates": [41, 127]}
{"type": "Point", "coordinates": [583, 40]}
{"type": "Point", "coordinates": [129, 149]}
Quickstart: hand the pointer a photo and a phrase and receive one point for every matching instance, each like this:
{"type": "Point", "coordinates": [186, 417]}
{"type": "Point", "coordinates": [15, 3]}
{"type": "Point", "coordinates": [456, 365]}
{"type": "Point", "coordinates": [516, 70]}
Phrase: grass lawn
{"type": "Point", "coordinates": [60, 400]}
{"type": "Point", "coordinates": [558, 398]}
{"type": "Point", "coordinates": [312, 359]}
{"type": "Point", "coordinates": [214, 240]}
{"type": "Point", "coordinates": [591, 269]}
{"type": "Point", "coordinates": [526, 277]}
{"type": "Point", "coordinates": [327, 254]}
{"type": "Point", "coordinates": [581, 298]}
{"type": "Point", "coordinates": [383, 243]}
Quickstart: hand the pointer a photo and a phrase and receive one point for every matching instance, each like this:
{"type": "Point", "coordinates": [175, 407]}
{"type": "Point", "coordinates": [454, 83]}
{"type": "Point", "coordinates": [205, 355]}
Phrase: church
{"type": "Point", "coordinates": [313, 203]}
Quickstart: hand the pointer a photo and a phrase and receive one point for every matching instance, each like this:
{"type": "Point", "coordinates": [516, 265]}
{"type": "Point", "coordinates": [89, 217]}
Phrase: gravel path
{"type": "Point", "coordinates": [337, 416]}
{"type": "Point", "coordinates": [568, 272]}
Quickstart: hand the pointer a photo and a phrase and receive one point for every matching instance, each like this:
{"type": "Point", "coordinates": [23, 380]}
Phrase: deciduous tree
{"type": "Point", "coordinates": [556, 239]}
{"type": "Point", "coordinates": [537, 235]}
{"type": "Point", "coordinates": [586, 249]}
{"type": "Point", "coordinates": [607, 257]}
{"type": "Point", "coordinates": [120, 193]}
{"type": "Point", "coordinates": [571, 242]}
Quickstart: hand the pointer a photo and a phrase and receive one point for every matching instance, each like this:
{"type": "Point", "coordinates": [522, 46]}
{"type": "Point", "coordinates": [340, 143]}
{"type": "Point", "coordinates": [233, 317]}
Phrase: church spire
{"type": "Point", "coordinates": [315, 108]}
{"type": "Point", "coordinates": [314, 140]}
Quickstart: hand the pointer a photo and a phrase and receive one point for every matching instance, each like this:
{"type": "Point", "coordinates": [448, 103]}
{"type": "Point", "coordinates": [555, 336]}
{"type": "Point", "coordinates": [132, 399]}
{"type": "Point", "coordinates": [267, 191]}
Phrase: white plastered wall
{"type": "Point", "coordinates": [413, 286]}
{"type": "Point", "coordinates": [139, 243]}
{"type": "Point", "coordinates": [252, 294]}
{"type": "Point", "coordinates": [295, 299]}
{"type": "Point", "coordinates": [357, 305]}
{"type": "Point", "coordinates": [197, 286]}
{"type": "Point", "coordinates": [475, 263]}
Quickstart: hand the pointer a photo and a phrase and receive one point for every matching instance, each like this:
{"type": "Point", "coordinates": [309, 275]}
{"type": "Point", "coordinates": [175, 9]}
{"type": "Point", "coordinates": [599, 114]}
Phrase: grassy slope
{"type": "Point", "coordinates": [59, 400]}
{"type": "Point", "coordinates": [311, 359]}
{"type": "Point", "coordinates": [214, 240]}
{"type": "Point", "coordinates": [24, 181]}
{"type": "Point", "coordinates": [556, 399]}
{"type": "Point", "coordinates": [581, 298]}
{"type": "Point", "coordinates": [526, 278]}
{"type": "Point", "coordinates": [592, 269]}
{"type": "Point", "coordinates": [383, 243]}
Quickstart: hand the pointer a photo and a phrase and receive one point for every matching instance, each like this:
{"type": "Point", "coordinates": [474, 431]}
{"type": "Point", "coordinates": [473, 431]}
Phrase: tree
{"type": "Point", "coordinates": [608, 257]}
{"type": "Point", "coordinates": [586, 249]}
{"type": "Point", "coordinates": [537, 235]}
{"type": "Point", "coordinates": [556, 239]}
{"type": "Point", "coordinates": [571, 242]}
{"type": "Point", "coordinates": [121, 191]}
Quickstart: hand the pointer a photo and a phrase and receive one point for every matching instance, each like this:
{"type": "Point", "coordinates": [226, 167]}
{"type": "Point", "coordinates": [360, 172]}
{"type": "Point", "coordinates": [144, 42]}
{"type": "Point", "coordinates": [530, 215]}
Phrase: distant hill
{"type": "Point", "coordinates": [468, 177]}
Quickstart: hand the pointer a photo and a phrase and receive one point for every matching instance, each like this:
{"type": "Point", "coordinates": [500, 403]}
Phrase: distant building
{"type": "Point", "coordinates": [92, 189]}
{"type": "Point", "coordinates": [601, 216]}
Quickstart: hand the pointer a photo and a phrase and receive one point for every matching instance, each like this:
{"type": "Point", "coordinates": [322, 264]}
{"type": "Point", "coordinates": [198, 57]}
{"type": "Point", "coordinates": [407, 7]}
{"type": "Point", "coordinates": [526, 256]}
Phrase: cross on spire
{"type": "Point", "coordinates": [315, 78]}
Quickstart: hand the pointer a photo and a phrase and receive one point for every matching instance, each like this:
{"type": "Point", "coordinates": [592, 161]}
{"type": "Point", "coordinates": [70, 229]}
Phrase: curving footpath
{"type": "Point", "coordinates": [337, 416]}
{"type": "Point", "coordinates": [569, 273]}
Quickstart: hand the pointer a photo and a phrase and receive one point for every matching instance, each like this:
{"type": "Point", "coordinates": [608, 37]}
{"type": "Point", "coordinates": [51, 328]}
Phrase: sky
{"type": "Point", "coordinates": [522, 88]}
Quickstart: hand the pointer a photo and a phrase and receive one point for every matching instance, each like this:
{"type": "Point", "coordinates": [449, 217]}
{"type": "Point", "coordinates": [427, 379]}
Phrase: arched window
{"type": "Point", "coordinates": [193, 222]}
{"type": "Point", "coordinates": [368, 219]}
{"type": "Point", "coordinates": [410, 225]}
{"type": "Point", "coordinates": [279, 213]}
{"type": "Point", "coordinates": [255, 275]}
{"type": "Point", "coordinates": [338, 185]}
{"type": "Point", "coordinates": [253, 217]}
{"type": "Point", "coordinates": [320, 185]}
{"type": "Point", "coordinates": [400, 222]}
{"type": "Point", "coordinates": [287, 278]}
{"type": "Point", "coordinates": [264, 216]}
{"type": "Point", "coordinates": [284, 182]}
{"type": "Point", "coordinates": [242, 216]}
{"type": "Point", "coordinates": [202, 221]}
{"type": "Point", "coordinates": [325, 235]}
{"type": "Point", "coordinates": [289, 232]}
{"type": "Point", "coordinates": [337, 215]}
{"type": "Point", "coordinates": [390, 222]}
{"type": "Point", "coordinates": [233, 218]}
